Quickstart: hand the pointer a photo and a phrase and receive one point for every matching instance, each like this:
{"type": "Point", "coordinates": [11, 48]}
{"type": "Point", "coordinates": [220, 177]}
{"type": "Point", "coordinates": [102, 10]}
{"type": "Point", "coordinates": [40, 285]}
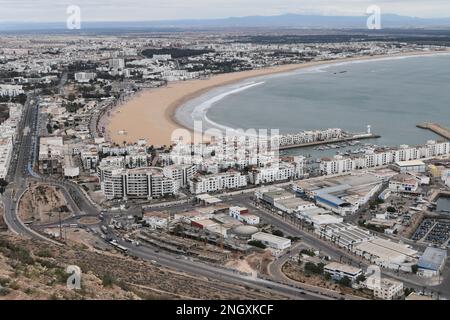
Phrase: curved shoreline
{"type": "Point", "coordinates": [160, 116]}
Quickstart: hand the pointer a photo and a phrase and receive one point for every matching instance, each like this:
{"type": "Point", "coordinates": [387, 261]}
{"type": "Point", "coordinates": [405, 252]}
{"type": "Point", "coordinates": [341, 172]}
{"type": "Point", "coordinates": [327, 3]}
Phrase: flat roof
{"type": "Point", "coordinates": [293, 202]}
{"type": "Point", "coordinates": [432, 259]}
{"type": "Point", "coordinates": [387, 250]}
{"type": "Point", "coordinates": [331, 199]}
{"type": "Point", "coordinates": [410, 163]}
{"type": "Point", "coordinates": [326, 219]}
{"type": "Point", "coordinates": [342, 267]}
{"type": "Point", "coordinates": [270, 238]}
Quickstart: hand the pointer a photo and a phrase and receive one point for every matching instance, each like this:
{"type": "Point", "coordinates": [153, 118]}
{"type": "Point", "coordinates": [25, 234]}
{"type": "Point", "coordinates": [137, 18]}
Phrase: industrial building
{"type": "Point", "coordinates": [272, 241]}
{"type": "Point", "coordinates": [416, 166]}
{"type": "Point", "coordinates": [319, 216]}
{"type": "Point", "coordinates": [432, 262]}
{"type": "Point", "coordinates": [343, 195]}
{"type": "Point", "coordinates": [387, 254]}
{"type": "Point", "coordinates": [344, 234]}
{"type": "Point", "coordinates": [273, 195]}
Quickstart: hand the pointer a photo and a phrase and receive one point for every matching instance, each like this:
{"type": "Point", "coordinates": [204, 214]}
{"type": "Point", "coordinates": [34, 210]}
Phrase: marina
{"type": "Point", "coordinates": [332, 144]}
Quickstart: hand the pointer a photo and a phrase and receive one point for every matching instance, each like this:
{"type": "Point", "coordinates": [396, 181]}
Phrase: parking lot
{"type": "Point", "coordinates": [433, 231]}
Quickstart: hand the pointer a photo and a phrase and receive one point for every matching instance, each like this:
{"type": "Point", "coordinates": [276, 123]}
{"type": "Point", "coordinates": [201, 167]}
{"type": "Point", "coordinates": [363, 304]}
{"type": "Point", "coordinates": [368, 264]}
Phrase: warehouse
{"type": "Point", "coordinates": [344, 234]}
{"type": "Point", "coordinates": [416, 166]}
{"type": "Point", "coordinates": [293, 205]}
{"type": "Point", "coordinates": [432, 262]}
{"type": "Point", "coordinates": [273, 195]}
{"type": "Point", "coordinates": [388, 254]}
{"type": "Point", "coordinates": [325, 219]}
{"type": "Point", "coordinates": [343, 195]}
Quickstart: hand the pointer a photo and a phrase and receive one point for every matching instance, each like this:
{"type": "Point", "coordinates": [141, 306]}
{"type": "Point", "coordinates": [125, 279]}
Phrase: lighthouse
{"type": "Point", "coordinates": [369, 129]}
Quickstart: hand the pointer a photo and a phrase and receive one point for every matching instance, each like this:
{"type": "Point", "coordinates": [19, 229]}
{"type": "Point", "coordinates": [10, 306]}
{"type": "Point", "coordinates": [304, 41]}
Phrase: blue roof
{"type": "Point", "coordinates": [330, 199]}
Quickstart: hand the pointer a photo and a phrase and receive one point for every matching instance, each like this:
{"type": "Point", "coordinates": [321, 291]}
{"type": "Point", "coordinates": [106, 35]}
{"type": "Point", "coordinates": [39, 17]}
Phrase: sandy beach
{"type": "Point", "coordinates": [150, 114]}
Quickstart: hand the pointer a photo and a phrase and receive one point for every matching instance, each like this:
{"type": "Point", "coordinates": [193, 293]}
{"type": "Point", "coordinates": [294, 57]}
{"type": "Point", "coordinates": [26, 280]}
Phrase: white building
{"type": "Point", "coordinates": [278, 172]}
{"type": "Point", "coordinates": [387, 254]}
{"type": "Point", "coordinates": [388, 289]}
{"type": "Point", "coordinates": [217, 182]}
{"type": "Point", "coordinates": [181, 173]}
{"type": "Point", "coordinates": [446, 177]}
{"type": "Point", "coordinates": [116, 64]}
{"type": "Point", "coordinates": [403, 182]}
{"type": "Point", "coordinates": [374, 158]}
{"type": "Point", "coordinates": [6, 148]}
{"type": "Point", "coordinates": [10, 90]}
{"type": "Point", "coordinates": [162, 57]}
{"type": "Point", "coordinates": [432, 262]}
{"type": "Point", "coordinates": [337, 271]}
{"type": "Point", "coordinates": [84, 77]}
{"type": "Point", "coordinates": [242, 214]}
{"type": "Point", "coordinates": [141, 183]}
{"type": "Point", "coordinates": [416, 166]}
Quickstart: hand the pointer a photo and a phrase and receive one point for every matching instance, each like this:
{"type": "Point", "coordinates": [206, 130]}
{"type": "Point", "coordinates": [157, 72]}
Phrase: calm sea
{"type": "Point", "coordinates": [392, 96]}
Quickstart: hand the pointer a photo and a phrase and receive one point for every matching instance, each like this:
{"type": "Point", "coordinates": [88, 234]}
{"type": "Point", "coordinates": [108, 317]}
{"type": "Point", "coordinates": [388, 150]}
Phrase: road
{"type": "Point", "coordinates": [22, 174]}
{"type": "Point", "coordinates": [290, 228]}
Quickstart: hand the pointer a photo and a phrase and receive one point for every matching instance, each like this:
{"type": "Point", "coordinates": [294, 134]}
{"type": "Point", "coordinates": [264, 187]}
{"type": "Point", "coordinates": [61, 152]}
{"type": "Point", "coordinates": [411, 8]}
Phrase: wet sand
{"type": "Point", "coordinates": [150, 114]}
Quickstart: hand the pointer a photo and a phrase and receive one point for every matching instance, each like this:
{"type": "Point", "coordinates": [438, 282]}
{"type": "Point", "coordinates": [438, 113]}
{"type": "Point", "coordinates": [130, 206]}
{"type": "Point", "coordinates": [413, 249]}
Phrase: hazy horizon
{"type": "Point", "coordinates": [49, 11]}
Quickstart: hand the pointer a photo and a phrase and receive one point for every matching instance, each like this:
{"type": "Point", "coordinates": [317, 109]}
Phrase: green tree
{"type": "Point", "coordinates": [257, 243]}
{"type": "Point", "coordinates": [3, 185]}
{"type": "Point", "coordinates": [360, 278]}
{"type": "Point", "coordinates": [107, 280]}
{"type": "Point", "coordinates": [278, 233]}
{"type": "Point", "coordinates": [345, 281]}
{"type": "Point", "coordinates": [415, 268]}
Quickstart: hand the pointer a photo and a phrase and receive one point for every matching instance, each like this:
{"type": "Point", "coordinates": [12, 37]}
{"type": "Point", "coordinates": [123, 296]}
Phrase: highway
{"type": "Point", "coordinates": [22, 174]}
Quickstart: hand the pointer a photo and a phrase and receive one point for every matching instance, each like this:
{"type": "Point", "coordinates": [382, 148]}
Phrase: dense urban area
{"type": "Point", "coordinates": [223, 219]}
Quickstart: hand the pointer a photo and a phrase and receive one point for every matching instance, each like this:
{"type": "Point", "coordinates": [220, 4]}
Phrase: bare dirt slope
{"type": "Point", "coordinates": [31, 269]}
{"type": "Point", "coordinates": [43, 204]}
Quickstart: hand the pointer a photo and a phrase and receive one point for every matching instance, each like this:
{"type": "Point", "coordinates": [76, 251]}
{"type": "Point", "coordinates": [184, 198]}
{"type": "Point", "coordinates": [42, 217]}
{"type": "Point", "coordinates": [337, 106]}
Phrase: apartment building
{"type": "Point", "coordinates": [217, 182]}
{"type": "Point", "coordinates": [373, 158]}
{"type": "Point", "coordinates": [6, 148]}
{"type": "Point", "coordinates": [388, 289]}
{"type": "Point", "coordinates": [84, 77]}
{"type": "Point", "coordinates": [278, 172]}
{"type": "Point", "coordinates": [180, 173]}
{"type": "Point", "coordinates": [141, 183]}
{"type": "Point", "coordinates": [10, 90]}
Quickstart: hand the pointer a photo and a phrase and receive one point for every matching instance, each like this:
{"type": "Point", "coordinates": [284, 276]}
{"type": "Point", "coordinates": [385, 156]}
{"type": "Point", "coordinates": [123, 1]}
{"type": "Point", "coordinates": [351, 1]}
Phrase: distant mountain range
{"type": "Point", "coordinates": [281, 21]}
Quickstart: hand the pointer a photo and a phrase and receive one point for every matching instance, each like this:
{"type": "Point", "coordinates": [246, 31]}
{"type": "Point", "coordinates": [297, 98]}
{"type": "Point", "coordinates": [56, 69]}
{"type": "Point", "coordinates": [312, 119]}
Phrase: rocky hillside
{"type": "Point", "coordinates": [32, 269]}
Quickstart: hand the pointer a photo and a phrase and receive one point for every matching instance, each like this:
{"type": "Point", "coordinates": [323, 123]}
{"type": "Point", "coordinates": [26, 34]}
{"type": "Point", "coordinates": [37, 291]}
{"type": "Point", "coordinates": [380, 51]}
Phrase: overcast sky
{"type": "Point", "coordinates": [132, 10]}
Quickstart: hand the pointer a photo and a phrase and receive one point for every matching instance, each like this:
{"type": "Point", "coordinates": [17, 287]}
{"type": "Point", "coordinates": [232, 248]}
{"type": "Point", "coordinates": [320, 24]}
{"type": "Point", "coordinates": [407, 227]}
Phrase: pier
{"type": "Point", "coordinates": [332, 141]}
{"type": "Point", "coordinates": [436, 128]}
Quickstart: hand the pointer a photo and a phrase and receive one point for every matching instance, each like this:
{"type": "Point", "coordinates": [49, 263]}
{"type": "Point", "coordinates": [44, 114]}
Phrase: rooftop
{"type": "Point", "coordinates": [432, 259]}
{"type": "Point", "coordinates": [342, 267]}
